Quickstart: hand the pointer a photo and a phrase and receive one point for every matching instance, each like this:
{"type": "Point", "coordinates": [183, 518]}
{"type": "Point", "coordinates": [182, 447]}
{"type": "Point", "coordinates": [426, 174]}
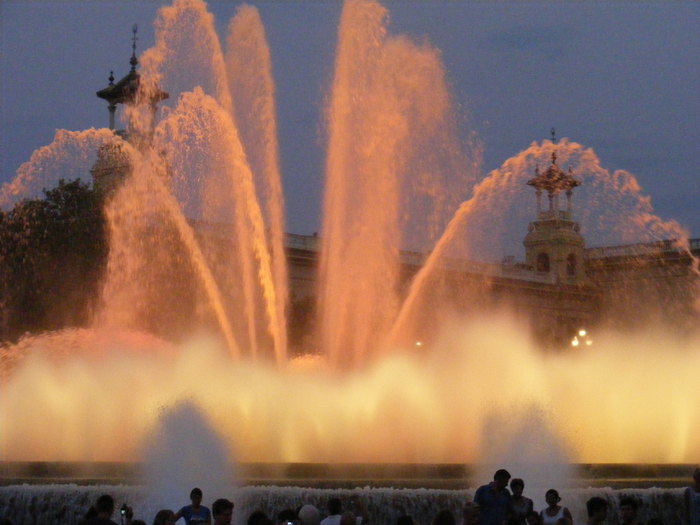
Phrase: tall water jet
{"type": "Point", "coordinates": [249, 68]}
{"type": "Point", "coordinates": [390, 145]}
{"type": "Point", "coordinates": [212, 181]}
{"type": "Point", "coordinates": [145, 218]}
{"type": "Point", "coordinates": [177, 65]}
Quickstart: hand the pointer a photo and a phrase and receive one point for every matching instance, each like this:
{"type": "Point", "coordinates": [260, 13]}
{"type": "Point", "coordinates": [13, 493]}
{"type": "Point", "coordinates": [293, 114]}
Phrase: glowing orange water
{"type": "Point", "coordinates": [393, 167]}
{"type": "Point", "coordinates": [249, 68]}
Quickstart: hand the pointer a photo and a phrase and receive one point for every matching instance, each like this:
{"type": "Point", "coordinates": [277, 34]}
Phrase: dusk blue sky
{"type": "Point", "coordinates": [620, 77]}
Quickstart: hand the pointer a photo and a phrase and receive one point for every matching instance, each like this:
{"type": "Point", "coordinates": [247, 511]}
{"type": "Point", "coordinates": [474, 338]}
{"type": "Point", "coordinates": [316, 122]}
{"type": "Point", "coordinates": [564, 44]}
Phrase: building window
{"type": "Point", "coordinates": [542, 262]}
{"type": "Point", "coordinates": [571, 265]}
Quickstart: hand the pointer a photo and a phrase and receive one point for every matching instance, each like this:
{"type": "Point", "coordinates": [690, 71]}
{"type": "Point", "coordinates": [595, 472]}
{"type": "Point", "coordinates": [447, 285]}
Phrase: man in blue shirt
{"type": "Point", "coordinates": [195, 514]}
{"type": "Point", "coordinates": [494, 499]}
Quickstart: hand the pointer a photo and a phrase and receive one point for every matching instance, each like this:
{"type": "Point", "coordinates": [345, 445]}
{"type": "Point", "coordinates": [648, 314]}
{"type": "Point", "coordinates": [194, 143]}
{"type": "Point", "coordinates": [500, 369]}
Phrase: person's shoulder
{"type": "Point", "coordinates": [481, 492]}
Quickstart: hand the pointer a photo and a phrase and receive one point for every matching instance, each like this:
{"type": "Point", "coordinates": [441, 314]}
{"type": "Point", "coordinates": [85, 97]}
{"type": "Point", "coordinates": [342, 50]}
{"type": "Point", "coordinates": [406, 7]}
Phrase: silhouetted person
{"type": "Point", "coordinates": [287, 517]}
{"type": "Point", "coordinates": [90, 514]}
{"type": "Point", "coordinates": [628, 511]}
{"type": "Point", "coordinates": [103, 510]}
{"type": "Point", "coordinates": [691, 500]}
{"type": "Point", "coordinates": [494, 499]}
{"type": "Point", "coordinates": [222, 511]}
{"type": "Point", "coordinates": [520, 505]}
{"type": "Point", "coordinates": [533, 518]}
{"type": "Point", "coordinates": [195, 513]}
{"type": "Point", "coordinates": [164, 517]}
{"type": "Point", "coordinates": [347, 518]}
{"type": "Point", "coordinates": [335, 508]}
{"type": "Point", "coordinates": [471, 514]}
{"type": "Point", "coordinates": [258, 517]}
{"type": "Point", "coordinates": [554, 512]}
{"type": "Point", "coordinates": [597, 510]}
{"type": "Point", "coordinates": [309, 515]}
{"type": "Point", "coordinates": [404, 520]}
{"type": "Point", "coordinates": [444, 517]}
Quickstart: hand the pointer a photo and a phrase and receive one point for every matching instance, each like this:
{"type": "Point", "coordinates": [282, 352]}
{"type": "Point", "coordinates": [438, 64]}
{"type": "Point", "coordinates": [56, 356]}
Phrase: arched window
{"type": "Point", "coordinates": [542, 262]}
{"type": "Point", "coordinates": [571, 265]}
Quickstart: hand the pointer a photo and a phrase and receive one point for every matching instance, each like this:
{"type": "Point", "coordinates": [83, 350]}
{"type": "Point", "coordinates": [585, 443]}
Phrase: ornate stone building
{"type": "Point", "coordinates": [562, 287]}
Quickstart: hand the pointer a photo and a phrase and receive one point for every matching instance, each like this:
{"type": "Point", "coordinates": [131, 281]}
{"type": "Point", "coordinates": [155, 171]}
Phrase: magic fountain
{"type": "Point", "coordinates": [202, 210]}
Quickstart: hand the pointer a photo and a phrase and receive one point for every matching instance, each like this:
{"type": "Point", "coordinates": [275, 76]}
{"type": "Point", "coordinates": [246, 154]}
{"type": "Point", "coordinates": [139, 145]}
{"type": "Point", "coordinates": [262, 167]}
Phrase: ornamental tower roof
{"type": "Point", "coordinates": [124, 91]}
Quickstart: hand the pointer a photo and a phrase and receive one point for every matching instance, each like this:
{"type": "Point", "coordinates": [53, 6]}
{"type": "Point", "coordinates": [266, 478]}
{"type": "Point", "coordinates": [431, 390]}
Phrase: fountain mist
{"type": "Point", "coordinates": [182, 452]}
{"type": "Point", "coordinates": [600, 405]}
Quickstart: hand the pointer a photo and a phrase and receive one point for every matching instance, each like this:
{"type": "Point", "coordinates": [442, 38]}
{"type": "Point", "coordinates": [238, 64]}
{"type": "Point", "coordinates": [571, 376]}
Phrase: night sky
{"type": "Point", "coordinates": [620, 77]}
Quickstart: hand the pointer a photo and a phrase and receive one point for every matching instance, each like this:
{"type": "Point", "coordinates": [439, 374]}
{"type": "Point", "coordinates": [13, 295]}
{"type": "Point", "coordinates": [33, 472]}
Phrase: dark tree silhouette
{"type": "Point", "coordinates": [52, 254]}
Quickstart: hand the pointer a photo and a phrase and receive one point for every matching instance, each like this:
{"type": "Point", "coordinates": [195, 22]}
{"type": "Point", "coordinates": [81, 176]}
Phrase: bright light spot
{"type": "Point", "coordinates": [574, 341]}
{"type": "Point", "coordinates": [589, 342]}
{"type": "Point", "coordinates": [419, 343]}
{"type": "Point", "coordinates": [582, 332]}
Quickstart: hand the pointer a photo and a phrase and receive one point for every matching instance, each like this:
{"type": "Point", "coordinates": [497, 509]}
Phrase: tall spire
{"type": "Point", "coordinates": [124, 91]}
{"type": "Point", "coordinates": [134, 61]}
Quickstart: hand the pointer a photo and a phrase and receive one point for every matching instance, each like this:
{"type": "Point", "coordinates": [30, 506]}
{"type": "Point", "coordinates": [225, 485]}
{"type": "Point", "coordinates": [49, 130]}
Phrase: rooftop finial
{"type": "Point", "coordinates": [134, 60]}
{"type": "Point", "coordinates": [111, 78]}
{"type": "Point", "coordinates": [554, 141]}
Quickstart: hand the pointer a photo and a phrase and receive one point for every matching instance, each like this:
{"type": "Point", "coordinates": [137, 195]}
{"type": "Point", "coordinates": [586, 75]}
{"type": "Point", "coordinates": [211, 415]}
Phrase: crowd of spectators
{"type": "Point", "coordinates": [493, 504]}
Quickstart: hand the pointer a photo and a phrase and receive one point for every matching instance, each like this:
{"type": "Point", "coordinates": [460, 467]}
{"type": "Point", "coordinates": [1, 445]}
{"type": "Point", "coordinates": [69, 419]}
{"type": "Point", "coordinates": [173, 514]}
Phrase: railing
{"type": "Point", "coordinates": [508, 269]}
{"type": "Point", "coordinates": [649, 248]}
{"type": "Point", "coordinates": [302, 242]}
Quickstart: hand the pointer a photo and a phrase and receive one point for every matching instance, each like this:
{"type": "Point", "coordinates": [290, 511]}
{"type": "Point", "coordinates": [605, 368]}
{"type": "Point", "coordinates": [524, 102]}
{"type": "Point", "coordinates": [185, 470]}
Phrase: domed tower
{"type": "Point", "coordinates": [112, 163]}
{"type": "Point", "coordinates": [125, 91]}
{"type": "Point", "coordinates": [553, 243]}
